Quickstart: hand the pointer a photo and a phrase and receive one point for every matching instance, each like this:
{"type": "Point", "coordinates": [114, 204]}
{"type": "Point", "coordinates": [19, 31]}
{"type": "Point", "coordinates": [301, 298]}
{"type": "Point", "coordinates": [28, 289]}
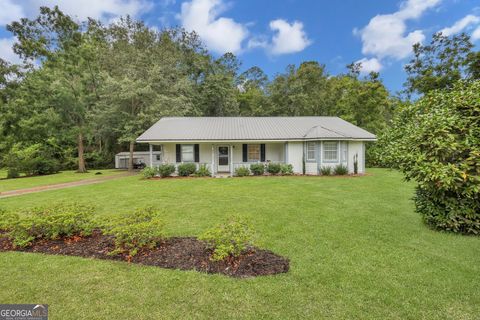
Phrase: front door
{"type": "Point", "coordinates": [223, 159]}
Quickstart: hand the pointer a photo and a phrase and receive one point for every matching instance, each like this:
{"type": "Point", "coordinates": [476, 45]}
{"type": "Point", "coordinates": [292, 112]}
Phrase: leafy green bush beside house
{"type": "Point", "coordinates": [436, 142]}
{"type": "Point", "coordinates": [257, 169]}
{"type": "Point", "coordinates": [186, 169]}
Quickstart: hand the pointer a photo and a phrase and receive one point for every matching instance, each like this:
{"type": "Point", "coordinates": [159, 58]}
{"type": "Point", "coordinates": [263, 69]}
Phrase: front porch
{"type": "Point", "coordinates": [219, 158]}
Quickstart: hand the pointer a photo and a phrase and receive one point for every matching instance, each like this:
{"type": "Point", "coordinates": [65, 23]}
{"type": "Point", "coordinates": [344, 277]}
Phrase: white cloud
{"type": "Point", "coordinates": [370, 65]}
{"type": "Point", "coordinates": [6, 51]}
{"type": "Point", "coordinates": [10, 12]}
{"type": "Point", "coordinates": [385, 35]}
{"type": "Point", "coordinates": [102, 10]}
{"type": "Point", "coordinates": [476, 34]}
{"type": "Point", "coordinates": [289, 38]}
{"type": "Point", "coordinates": [460, 25]}
{"type": "Point", "coordinates": [219, 34]}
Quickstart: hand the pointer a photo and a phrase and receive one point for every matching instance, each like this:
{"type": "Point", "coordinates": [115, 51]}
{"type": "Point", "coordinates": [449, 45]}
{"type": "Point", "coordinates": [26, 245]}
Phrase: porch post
{"type": "Point", "coordinates": [231, 160]}
{"type": "Point", "coordinates": [151, 154]}
{"type": "Point", "coordinates": [213, 161]}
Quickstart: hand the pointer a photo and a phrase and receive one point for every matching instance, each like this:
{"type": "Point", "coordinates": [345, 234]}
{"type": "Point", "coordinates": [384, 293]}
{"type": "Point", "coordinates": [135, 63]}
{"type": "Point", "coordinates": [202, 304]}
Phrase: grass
{"type": "Point", "coordinates": [61, 177]}
{"type": "Point", "coordinates": [357, 250]}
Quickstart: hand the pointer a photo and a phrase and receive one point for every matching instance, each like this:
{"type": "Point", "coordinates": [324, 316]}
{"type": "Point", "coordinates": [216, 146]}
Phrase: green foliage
{"type": "Point", "coordinates": [149, 172]}
{"type": "Point", "coordinates": [52, 222]}
{"type": "Point", "coordinates": [286, 169]}
{"type": "Point", "coordinates": [186, 169]}
{"type": "Point", "coordinates": [229, 239]}
{"type": "Point", "coordinates": [242, 171]}
{"type": "Point", "coordinates": [273, 168]}
{"type": "Point", "coordinates": [134, 231]}
{"type": "Point", "coordinates": [257, 169]}
{"type": "Point", "coordinates": [203, 171]}
{"type": "Point", "coordinates": [340, 170]}
{"type": "Point", "coordinates": [326, 170]}
{"type": "Point", "coordinates": [35, 159]}
{"type": "Point", "coordinates": [436, 142]}
{"type": "Point", "coordinates": [440, 64]}
{"type": "Point", "coordinates": [166, 170]}
{"type": "Point", "coordinates": [7, 219]}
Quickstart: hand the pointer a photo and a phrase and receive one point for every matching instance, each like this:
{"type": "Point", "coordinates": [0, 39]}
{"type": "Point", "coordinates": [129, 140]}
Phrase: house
{"type": "Point", "coordinates": [226, 143]}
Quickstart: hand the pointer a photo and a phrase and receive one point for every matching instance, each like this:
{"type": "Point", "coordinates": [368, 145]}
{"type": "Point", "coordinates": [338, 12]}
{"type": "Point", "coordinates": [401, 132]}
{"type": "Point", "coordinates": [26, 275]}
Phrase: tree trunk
{"type": "Point", "coordinates": [130, 159]}
{"type": "Point", "coordinates": [81, 159]}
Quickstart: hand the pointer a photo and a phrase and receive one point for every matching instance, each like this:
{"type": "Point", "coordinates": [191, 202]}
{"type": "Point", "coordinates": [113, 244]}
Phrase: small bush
{"type": "Point", "coordinates": [7, 219]}
{"type": "Point", "coordinates": [326, 171]}
{"type": "Point", "coordinates": [229, 239]}
{"type": "Point", "coordinates": [61, 220]}
{"type": "Point", "coordinates": [340, 170]}
{"type": "Point", "coordinates": [186, 169]}
{"type": "Point", "coordinates": [286, 169]}
{"type": "Point", "coordinates": [12, 173]}
{"type": "Point", "coordinates": [142, 228]}
{"type": "Point", "coordinates": [242, 171]}
{"type": "Point", "coordinates": [257, 169]}
{"type": "Point", "coordinates": [274, 168]}
{"type": "Point", "coordinates": [166, 170]}
{"type": "Point", "coordinates": [203, 171]}
{"type": "Point", "coordinates": [149, 172]}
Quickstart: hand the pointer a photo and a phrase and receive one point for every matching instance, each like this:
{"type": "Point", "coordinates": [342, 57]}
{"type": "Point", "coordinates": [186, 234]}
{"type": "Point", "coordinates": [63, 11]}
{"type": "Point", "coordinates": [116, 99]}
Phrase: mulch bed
{"type": "Point", "coordinates": [184, 253]}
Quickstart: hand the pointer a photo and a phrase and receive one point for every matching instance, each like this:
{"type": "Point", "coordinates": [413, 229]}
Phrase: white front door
{"type": "Point", "coordinates": [223, 159]}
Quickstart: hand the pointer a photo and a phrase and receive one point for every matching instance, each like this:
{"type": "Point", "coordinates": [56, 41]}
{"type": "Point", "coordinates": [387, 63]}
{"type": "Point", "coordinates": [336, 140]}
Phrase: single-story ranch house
{"type": "Point", "coordinates": [226, 143]}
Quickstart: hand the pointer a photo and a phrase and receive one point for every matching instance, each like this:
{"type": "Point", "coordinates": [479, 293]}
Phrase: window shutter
{"type": "Point", "coordinates": [262, 152]}
{"type": "Point", "coordinates": [197, 152]}
{"type": "Point", "coordinates": [178, 152]}
{"type": "Point", "coordinates": [245, 153]}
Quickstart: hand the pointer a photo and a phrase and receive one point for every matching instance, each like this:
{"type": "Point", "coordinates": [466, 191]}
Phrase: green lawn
{"type": "Point", "coordinates": [357, 249]}
{"type": "Point", "coordinates": [61, 177]}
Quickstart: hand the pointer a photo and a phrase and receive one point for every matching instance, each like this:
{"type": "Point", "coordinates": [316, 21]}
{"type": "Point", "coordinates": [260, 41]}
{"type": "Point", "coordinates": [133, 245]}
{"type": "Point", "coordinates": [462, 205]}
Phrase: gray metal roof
{"type": "Point", "coordinates": [253, 128]}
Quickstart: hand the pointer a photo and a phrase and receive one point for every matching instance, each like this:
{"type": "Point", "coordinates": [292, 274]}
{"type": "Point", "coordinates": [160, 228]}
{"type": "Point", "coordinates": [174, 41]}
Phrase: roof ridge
{"type": "Point", "coordinates": [319, 125]}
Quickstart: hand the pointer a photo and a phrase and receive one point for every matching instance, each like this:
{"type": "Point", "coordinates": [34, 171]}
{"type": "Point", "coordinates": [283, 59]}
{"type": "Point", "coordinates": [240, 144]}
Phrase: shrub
{"type": "Point", "coordinates": [242, 171]}
{"type": "Point", "coordinates": [229, 239]}
{"type": "Point", "coordinates": [7, 219]}
{"type": "Point", "coordinates": [257, 169]}
{"type": "Point", "coordinates": [326, 170]}
{"type": "Point", "coordinates": [60, 220]}
{"type": "Point", "coordinates": [274, 168]}
{"type": "Point", "coordinates": [436, 142]}
{"type": "Point", "coordinates": [142, 228]}
{"type": "Point", "coordinates": [203, 171]}
{"type": "Point", "coordinates": [186, 169]}
{"type": "Point", "coordinates": [36, 159]}
{"type": "Point", "coordinates": [165, 170]}
{"type": "Point", "coordinates": [149, 172]}
{"type": "Point", "coordinates": [286, 169]}
{"type": "Point", "coordinates": [12, 173]}
{"type": "Point", "coordinates": [340, 170]}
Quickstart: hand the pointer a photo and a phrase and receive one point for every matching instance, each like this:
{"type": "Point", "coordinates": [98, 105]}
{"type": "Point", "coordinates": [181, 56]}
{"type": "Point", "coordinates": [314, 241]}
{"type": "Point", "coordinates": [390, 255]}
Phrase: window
{"type": "Point", "coordinates": [310, 151]}
{"type": "Point", "coordinates": [253, 152]}
{"type": "Point", "coordinates": [187, 153]}
{"type": "Point", "coordinates": [157, 157]}
{"type": "Point", "coordinates": [330, 151]}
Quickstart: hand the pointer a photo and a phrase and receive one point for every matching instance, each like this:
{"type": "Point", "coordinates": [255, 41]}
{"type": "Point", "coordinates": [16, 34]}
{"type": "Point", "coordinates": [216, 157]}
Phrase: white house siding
{"type": "Point", "coordinates": [356, 147]}
{"type": "Point", "coordinates": [295, 155]}
{"type": "Point", "coordinates": [291, 152]}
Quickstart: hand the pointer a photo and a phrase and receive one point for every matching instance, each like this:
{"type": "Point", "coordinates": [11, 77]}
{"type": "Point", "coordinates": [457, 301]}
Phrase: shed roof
{"type": "Point", "coordinates": [253, 128]}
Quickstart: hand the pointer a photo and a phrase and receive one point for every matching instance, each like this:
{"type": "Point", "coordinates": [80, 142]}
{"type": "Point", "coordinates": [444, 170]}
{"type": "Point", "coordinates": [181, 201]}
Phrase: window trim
{"type": "Point", "coordinates": [325, 160]}
{"type": "Point", "coordinates": [193, 152]}
{"type": "Point", "coordinates": [259, 153]}
{"type": "Point", "coordinates": [314, 159]}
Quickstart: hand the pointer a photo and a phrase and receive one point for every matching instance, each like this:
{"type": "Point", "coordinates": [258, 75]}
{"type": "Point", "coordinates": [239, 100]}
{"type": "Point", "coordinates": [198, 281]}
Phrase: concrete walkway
{"type": "Point", "coordinates": [57, 186]}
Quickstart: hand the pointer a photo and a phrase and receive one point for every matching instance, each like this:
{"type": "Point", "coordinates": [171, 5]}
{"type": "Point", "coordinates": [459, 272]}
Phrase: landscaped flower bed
{"type": "Point", "coordinates": [184, 253]}
{"type": "Point", "coordinates": [137, 237]}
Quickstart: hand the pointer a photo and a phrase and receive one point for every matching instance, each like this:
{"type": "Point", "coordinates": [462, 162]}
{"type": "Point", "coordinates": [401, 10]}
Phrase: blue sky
{"type": "Point", "coordinates": [272, 34]}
